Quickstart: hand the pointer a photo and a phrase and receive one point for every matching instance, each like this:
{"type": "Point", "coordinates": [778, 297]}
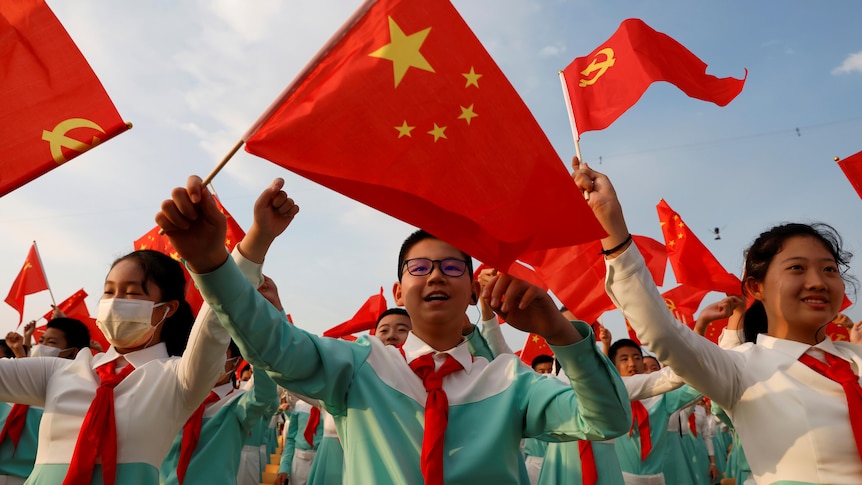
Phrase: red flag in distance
{"type": "Point", "coordinates": [31, 279]}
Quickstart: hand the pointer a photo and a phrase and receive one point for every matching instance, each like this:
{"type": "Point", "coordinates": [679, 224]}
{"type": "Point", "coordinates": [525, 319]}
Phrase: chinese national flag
{"type": "Point", "coordinates": [692, 263]}
{"type": "Point", "coordinates": [534, 346]}
{"type": "Point", "coordinates": [576, 275]}
{"type": "Point", "coordinates": [604, 84]}
{"type": "Point", "coordinates": [159, 242]}
{"type": "Point", "coordinates": [852, 168]}
{"type": "Point", "coordinates": [404, 110]}
{"type": "Point", "coordinates": [75, 307]}
{"type": "Point", "coordinates": [53, 106]}
{"type": "Point", "coordinates": [31, 279]}
{"type": "Point", "coordinates": [364, 319]}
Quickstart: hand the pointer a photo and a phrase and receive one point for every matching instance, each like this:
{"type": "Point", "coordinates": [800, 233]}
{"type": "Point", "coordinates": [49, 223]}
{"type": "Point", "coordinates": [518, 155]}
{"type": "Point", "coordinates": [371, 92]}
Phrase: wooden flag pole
{"type": "Point", "coordinates": [571, 116]}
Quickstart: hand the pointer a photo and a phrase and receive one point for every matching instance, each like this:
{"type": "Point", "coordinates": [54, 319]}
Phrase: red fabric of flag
{"type": "Point", "coordinates": [683, 301]}
{"type": "Point", "coordinates": [54, 107]}
{"type": "Point", "coordinates": [852, 168]}
{"type": "Point", "coordinates": [692, 263]}
{"type": "Point", "coordinates": [364, 319]}
{"type": "Point", "coordinates": [576, 275]}
{"type": "Point", "coordinates": [75, 307]}
{"type": "Point", "coordinates": [159, 242]}
{"type": "Point", "coordinates": [404, 111]}
{"type": "Point", "coordinates": [31, 279]}
{"type": "Point", "coordinates": [534, 346]}
{"type": "Point", "coordinates": [604, 84]}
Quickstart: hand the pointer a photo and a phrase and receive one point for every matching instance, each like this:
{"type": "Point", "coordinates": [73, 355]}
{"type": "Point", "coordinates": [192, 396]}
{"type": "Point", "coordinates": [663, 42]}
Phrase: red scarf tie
{"type": "Point", "coordinates": [839, 370]}
{"type": "Point", "coordinates": [191, 435]}
{"type": "Point", "coordinates": [98, 435]}
{"type": "Point", "coordinates": [14, 426]}
{"type": "Point", "coordinates": [640, 420]}
{"type": "Point", "coordinates": [589, 474]}
{"type": "Point", "coordinates": [311, 426]}
{"type": "Point", "coordinates": [436, 414]}
{"type": "Point", "coordinates": [692, 424]}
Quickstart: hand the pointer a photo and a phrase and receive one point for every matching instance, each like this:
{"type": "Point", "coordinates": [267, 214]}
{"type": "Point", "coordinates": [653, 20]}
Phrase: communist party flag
{"type": "Point", "coordinates": [601, 86]}
{"type": "Point", "coordinates": [53, 106]}
{"type": "Point", "coordinates": [576, 275]}
{"type": "Point", "coordinates": [404, 110]}
{"type": "Point", "coordinates": [31, 279]}
{"type": "Point", "coordinates": [691, 261]}
{"type": "Point", "coordinates": [364, 319]}
{"type": "Point", "coordinates": [159, 242]}
{"type": "Point", "coordinates": [75, 307]}
{"type": "Point", "coordinates": [852, 168]}
{"type": "Point", "coordinates": [683, 301]}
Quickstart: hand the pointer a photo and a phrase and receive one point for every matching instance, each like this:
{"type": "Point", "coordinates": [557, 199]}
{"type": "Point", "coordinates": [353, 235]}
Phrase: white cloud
{"type": "Point", "coordinates": [852, 63]}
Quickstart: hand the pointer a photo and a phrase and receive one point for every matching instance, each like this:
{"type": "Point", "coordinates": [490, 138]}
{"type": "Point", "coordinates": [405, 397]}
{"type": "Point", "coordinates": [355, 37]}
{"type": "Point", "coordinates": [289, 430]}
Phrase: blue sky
{"type": "Point", "coordinates": [193, 76]}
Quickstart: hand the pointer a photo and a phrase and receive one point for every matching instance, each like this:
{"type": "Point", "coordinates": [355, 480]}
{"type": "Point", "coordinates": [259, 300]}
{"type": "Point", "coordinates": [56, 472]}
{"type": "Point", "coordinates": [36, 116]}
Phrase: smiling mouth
{"type": "Point", "coordinates": [436, 297]}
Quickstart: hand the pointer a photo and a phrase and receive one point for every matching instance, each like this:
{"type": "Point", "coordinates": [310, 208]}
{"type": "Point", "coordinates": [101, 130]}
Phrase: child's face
{"type": "Point", "coordinates": [629, 361]}
{"type": "Point", "coordinates": [435, 297]}
{"type": "Point", "coordinates": [393, 329]}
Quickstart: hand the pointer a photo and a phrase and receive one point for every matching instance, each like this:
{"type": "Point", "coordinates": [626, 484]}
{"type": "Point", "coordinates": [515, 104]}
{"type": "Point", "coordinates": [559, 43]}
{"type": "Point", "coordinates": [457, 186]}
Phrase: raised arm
{"type": "Point", "coordinates": [630, 286]}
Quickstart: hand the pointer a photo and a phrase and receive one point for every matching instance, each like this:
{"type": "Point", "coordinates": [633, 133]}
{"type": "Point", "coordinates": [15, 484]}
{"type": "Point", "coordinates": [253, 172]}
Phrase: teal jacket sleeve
{"type": "Point", "coordinates": [258, 403]}
{"type": "Point", "coordinates": [317, 367]}
{"type": "Point", "coordinates": [289, 446]}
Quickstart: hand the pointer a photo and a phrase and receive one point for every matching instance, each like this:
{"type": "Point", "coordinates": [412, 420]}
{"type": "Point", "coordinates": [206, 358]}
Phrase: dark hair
{"type": "Point", "coordinates": [541, 359]}
{"type": "Point", "coordinates": [392, 311]}
{"type": "Point", "coordinates": [5, 350]}
{"type": "Point", "coordinates": [233, 348]}
{"type": "Point", "coordinates": [623, 342]}
{"type": "Point", "coordinates": [759, 256]}
{"type": "Point", "coordinates": [168, 274]}
{"type": "Point", "coordinates": [653, 358]}
{"type": "Point", "coordinates": [77, 334]}
{"type": "Point", "coordinates": [415, 239]}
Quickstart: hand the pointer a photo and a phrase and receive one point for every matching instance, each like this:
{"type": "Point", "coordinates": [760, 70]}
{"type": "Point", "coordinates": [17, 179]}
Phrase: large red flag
{"type": "Point", "coordinates": [364, 319]}
{"type": "Point", "coordinates": [159, 242]}
{"type": "Point", "coordinates": [601, 86]}
{"type": "Point", "coordinates": [75, 307]}
{"type": "Point", "coordinates": [404, 110]}
{"type": "Point", "coordinates": [53, 106]}
{"type": "Point", "coordinates": [31, 279]}
{"type": "Point", "coordinates": [852, 168]}
{"type": "Point", "coordinates": [691, 261]}
{"type": "Point", "coordinates": [576, 275]}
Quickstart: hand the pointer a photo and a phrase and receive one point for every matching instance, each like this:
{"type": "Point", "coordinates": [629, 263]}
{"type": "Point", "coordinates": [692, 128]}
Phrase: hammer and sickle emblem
{"type": "Point", "coordinates": [58, 140]}
{"type": "Point", "coordinates": [594, 66]}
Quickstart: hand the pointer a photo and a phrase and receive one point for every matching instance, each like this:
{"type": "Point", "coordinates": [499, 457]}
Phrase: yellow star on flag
{"type": "Point", "coordinates": [467, 114]}
{"type": "Point", "coordinates": [438, 132]}
{"type": "Point", "coordinates": [403, 51]}
{"type": "Point", "coordinates": [404, 129]}
{"type": "Point", "coordinates": [472, 78]}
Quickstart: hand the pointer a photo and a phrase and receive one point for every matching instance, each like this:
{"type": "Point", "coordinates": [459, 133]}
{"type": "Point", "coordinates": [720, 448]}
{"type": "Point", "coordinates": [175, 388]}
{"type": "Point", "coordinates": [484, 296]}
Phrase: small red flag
{"type": "Point", "coordinates": [683, 301]}
{"type": "Point", "coordinates": [159, 242]}
{"type": "Point", "coordinates": [54, 107]}
{"type": "Point", "coordinates": [75, 307]}
{"type": "Point", "coordinates": [364, 319]}
{"type": "Point", "coordinates": [852, 168]}
{"type": "Point", "coordinates": [31, 279]}
{"type": "Point", "coordinates": [692, 263]}
{"type": "Point", "coordinates": [534, 346]}
{"type": "Point", "coordinates": [601, 86]}
{"type": "Point", "coordinates": [403, 110]}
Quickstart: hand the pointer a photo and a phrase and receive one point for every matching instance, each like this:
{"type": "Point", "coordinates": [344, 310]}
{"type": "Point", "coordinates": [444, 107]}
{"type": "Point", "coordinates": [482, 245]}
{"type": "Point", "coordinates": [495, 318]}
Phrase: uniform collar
{"type": "Point", "coordinates": [415, 347]}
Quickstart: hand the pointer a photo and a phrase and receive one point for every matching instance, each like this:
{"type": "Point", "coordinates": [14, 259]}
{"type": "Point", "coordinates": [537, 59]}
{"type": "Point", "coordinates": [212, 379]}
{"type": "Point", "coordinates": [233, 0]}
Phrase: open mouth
{"type": "Point", "coordinates": [437, 297]}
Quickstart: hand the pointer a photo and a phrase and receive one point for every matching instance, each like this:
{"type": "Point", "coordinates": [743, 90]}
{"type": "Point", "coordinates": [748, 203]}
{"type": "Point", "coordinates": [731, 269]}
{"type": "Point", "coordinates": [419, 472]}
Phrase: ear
{"type": "Point", "coordinates": [754, 288]}
{"type": "Point", "coordinates": [396, 293]}
{"type": "Point", "coordinates": [476, 290]}
{"type": "Point", "coordinates": [173, 306]}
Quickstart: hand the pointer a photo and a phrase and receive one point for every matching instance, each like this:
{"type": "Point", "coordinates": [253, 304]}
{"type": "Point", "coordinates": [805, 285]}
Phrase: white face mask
{"type": "Point", "coordinates": [126, 322]}
{"type": "Point", "coordinates": [246, 385]}
{"type": "Point", "coordinates": [41, 350]}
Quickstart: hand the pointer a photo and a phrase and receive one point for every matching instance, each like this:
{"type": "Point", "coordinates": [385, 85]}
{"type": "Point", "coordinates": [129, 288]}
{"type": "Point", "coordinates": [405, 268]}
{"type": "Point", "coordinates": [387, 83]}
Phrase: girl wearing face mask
{"type": "Point", "coordinates": [19, 423]}
{"type": "Point", "coordinates": [111, 417]}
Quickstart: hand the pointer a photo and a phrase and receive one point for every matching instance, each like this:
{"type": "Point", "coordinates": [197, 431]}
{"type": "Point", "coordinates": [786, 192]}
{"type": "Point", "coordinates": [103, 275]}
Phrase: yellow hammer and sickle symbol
{"type": "Point", "coordinates": [670, 304]}
{"type": "Point", "coordinates": [601, 67]}
{"type": "Point", "coordinates": [58, 139]}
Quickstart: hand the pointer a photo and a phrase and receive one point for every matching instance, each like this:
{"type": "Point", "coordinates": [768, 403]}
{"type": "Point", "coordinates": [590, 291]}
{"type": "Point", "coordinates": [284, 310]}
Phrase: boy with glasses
{"type": "Point", "coordinates": [428, 412]}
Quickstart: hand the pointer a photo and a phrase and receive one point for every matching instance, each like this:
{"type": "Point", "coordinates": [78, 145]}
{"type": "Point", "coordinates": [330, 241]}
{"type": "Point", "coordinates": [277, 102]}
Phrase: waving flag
{"type": "Point", "coordinates": [404, 110]}
{"type": "Point", "coordinates": [601, 86]}
{"type": "Point", "coordinates": [31, 279]}
{"type": "Point", "coordinates": [852, 168]}
{"type": "Point", "coordinates": [52, 105]}
{"type": "Point", "coordinates": [364, 319]}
